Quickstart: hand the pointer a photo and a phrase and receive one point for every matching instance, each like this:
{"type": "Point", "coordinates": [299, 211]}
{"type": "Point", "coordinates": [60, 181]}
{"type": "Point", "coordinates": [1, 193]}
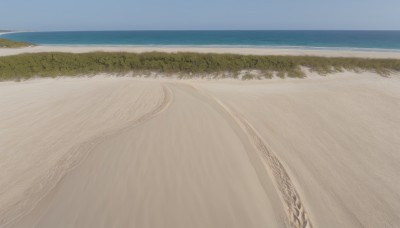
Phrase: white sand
{"type": "Point", "coordinates": [125, 152]}
{"type": "Point", "coordinates": [338, 137]}
{"type": "Point", "coordinates": [44, 123]}
{"type": "Point", "coordinates": [190, 163]}
{"type": "Point", "coordinates": [172, 49]}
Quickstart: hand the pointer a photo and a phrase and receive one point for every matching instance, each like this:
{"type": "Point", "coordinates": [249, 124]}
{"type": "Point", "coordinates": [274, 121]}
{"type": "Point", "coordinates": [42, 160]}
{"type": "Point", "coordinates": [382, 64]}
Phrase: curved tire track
{"type": "Point", "coordinates": [296, 213]}
{"type": "Point", "coordinates": [72, 159]}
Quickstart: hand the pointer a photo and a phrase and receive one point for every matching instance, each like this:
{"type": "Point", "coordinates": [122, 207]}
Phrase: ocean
{"type": "Point", "coordinates": [359, 40]}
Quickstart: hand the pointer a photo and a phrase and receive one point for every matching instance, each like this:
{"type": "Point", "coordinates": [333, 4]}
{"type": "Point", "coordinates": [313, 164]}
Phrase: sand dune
{"type": "Point", "coordinates": [315, 152]}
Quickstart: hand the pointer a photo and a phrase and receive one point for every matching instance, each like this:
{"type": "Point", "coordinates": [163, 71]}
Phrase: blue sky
{"type": "Point", "coordinates": [200, 14]}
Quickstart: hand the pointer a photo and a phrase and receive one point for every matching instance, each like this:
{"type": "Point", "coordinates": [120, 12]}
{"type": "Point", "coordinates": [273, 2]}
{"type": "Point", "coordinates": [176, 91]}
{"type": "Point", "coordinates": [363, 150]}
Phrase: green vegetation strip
{"type": "Point", "coordinates": [4, 43]}
{"type": "Point", "coordinates": [190, 64]}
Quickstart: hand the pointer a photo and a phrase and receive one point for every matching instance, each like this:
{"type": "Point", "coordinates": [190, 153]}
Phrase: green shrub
{"type": "Point", "coordinates": [4, 43]}
{"type": "Point", "coordinates": [248, 76]}
{"type": "Point", "coordinates": [189, 64]}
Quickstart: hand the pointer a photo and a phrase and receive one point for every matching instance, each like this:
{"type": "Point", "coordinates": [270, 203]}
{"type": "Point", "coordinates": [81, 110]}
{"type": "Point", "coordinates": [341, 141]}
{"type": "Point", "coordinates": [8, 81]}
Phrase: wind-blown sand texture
{"type": "Point", "coordinates": [126, 152]}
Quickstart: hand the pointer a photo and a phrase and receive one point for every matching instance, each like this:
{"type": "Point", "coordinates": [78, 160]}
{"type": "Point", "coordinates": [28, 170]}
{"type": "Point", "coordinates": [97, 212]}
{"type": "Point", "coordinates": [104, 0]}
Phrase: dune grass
{"type": "Point", "coordinates": [25, 66]}
{"type": "Point", "coordinates": [4, 43]}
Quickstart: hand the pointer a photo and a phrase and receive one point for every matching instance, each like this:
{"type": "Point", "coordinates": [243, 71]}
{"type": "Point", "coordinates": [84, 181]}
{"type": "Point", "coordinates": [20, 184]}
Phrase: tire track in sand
{"type": "Point", "coordinates": [295, 211]}
{"type": "Point", "coordinates": [8, 216]}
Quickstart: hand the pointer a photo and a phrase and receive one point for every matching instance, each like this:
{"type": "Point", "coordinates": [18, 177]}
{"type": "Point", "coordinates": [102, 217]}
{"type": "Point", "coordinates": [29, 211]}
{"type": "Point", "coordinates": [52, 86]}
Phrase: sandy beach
{"type": "Point", "coordinates": [108, 151]}
{"type": "Point", "coordinates": [221, 50]}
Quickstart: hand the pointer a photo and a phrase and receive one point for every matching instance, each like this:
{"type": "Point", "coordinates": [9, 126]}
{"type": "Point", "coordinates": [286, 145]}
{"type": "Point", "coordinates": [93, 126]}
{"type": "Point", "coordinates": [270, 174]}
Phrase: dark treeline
{"type": "Point", "coordinates": [67, 64]}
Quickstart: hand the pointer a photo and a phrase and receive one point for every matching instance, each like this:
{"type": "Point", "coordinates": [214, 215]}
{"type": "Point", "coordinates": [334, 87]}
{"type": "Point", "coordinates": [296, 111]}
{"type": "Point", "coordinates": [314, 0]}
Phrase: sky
{"type": "Point", "coordinates": [51, 15]}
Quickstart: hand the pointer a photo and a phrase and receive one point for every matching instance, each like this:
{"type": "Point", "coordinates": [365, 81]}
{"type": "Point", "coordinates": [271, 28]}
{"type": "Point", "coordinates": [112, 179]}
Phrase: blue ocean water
{"type": "Point", "coordinates": [389, 40]}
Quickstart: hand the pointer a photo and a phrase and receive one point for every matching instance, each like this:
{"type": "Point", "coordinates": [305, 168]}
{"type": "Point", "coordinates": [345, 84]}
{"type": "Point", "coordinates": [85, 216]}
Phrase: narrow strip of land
{"type": "Point", "coordinates": [221, 50]}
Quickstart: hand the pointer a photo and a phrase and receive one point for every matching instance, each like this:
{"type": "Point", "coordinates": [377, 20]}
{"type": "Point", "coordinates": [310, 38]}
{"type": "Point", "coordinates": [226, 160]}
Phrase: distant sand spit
{"type": "Point", "coordinates": [126, 152]}
{"type": "Point", "coordinates": [205, 49]}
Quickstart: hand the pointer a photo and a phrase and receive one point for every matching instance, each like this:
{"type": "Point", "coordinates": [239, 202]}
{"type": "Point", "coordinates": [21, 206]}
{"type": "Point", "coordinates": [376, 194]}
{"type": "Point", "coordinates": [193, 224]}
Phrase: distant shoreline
{"type": "Point", "coordinates": [204, 49]}
{"type": "Point", "coordinates": [360, 41]}
{"type": "Point", "coordinates": [8, 32]}
{"type": "Point", "coordinates": [217, 46]}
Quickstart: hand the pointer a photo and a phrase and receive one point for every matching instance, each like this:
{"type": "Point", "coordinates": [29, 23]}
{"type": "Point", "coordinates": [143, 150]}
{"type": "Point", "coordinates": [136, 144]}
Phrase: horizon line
{"type": "Point", "coordinates": [194, 30]}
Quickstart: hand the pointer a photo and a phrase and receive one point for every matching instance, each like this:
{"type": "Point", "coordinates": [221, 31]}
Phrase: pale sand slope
{"type": "Point", "coordinates": [213, 153]}
{"type": "Point", "coordinates": [43, 122]}
{"type": "Point", "coordinates": [186, 167]}
{"type": "Point", "coordinates": [339, 138]}
{"type": "Point", "coordinates": [231, 50]}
